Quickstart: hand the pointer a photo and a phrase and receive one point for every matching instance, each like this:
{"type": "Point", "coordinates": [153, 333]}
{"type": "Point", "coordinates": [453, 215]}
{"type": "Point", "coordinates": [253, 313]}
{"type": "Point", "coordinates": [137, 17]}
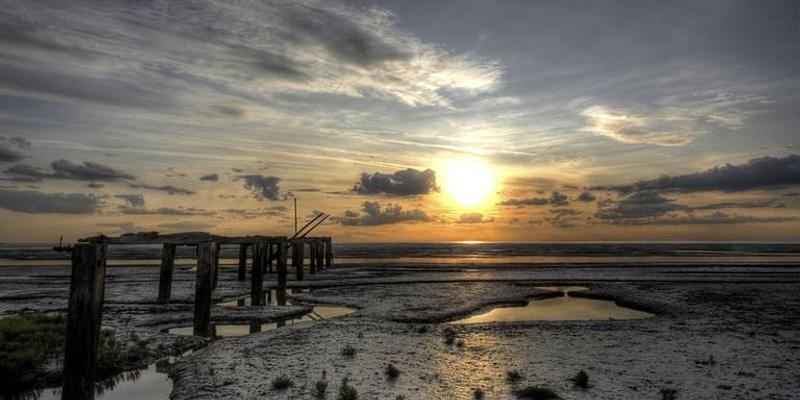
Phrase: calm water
{"type": "Point", "coordinates": [450, 253]}
{"type": "Point", "coordinates": [565, 308]}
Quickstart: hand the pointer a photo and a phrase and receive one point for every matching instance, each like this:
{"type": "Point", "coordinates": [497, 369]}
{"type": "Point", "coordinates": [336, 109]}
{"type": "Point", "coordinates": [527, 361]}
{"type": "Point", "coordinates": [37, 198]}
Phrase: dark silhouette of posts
{"type": "Point", "coordinates": [167, 268]}
{"type": "Point", "coordinates": [242, 262]}
{"type": "Point", "coordinates": [203, 287]}
{"type": "Point", "coordinates": [320, 253]}
{"type": "Point", "coordinates": [271, 252]}
{"type": "Point", "coordinates": [216, 265]}
{"type": "Point", "coordinates": [257, 278]}
{"type": "Point", "coordinates": [280, 293]}
{"type": "Point", "coordinates": [298, 263]}
{"type": "Point", "coordinates": [312, 258]}
{"type": "Point", "coordinates": [328, 252]}
{"type": "Point", "coordinates": [87, 286]}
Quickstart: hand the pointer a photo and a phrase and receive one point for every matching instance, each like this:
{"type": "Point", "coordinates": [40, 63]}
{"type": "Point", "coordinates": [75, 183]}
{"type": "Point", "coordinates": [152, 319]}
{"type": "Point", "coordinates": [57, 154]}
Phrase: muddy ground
{"type": "Point", "coordinates": [719, 332]}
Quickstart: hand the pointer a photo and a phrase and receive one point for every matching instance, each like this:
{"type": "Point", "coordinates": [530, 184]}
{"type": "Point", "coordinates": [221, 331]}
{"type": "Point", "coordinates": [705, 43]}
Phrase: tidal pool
{"type": "Point", "coordinates": [317, 313]}
{"type": "Point", "coordinates": [564, 308]}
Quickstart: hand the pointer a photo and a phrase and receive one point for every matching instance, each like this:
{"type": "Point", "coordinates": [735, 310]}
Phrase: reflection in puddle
{"type": "Point", "coordinates": [565, 308]}
{"type": "Point", "coordinates": [273, 298]}
{"type": "Point", "coordinates": [230, 330]}
{"type": "Point", "coordinates": [147, 383]}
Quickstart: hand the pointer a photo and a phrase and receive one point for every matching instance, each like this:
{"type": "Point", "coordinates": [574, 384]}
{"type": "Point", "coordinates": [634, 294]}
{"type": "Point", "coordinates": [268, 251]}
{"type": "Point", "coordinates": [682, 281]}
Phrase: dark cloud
{"type": "Point", "coordinates": [87, 171]}
{"type": "Point", "coordinates": [27, 173]}
{"type": "Point", "coordinates": [185, 226]}
{"type": "Point", "coordinates": [769, 203]}
{"type": "Point", "coordinates": [638, 206]}
{"type": "Point", "coordinates": [473, 218]}
{"type": "Point", "coordinates": [408, 182]}
{"type": "Point", "coordinates": [9, 155]}
{"type": "Point", "coordinates": [758, 173]}
{"type": "Point", "coordinates": [312, 190]}
{"type": "Point", "coordinates": [717, 218]}
{"type": "Point", "coordinates": [371, 214]}
{"type": "Point", "coordinates": [134, 200]}
{"type": "Point", "coordinates": [169, 189]}
{"type": "Point", "coordinates": [39, 203]}
{"type": "Point", "coordinates": [210, 177]}
{"type": "Point", "coordinates": [94, 185]}
{"type": "Point", "coordinates": [586, 197]}
{"type": "Point", "coordinates": [276, 211]}
{"type": "Point", "coordinates": [555, 199]}
{"type": "Point", "coordinates": [263, 187]}
{"type": "Point", "coordinates": [563, 217]}
{"type": "Point", "coordinates": [11, 149]}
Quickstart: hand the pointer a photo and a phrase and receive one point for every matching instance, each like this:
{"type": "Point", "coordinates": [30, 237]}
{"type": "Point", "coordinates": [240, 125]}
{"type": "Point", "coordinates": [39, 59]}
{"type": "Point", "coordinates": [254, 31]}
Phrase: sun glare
{"type": "Point", "coordinates": [468, 182]}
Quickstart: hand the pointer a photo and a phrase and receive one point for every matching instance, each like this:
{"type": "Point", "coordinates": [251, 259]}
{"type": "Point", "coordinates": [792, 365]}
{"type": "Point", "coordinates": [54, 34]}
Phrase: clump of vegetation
{"type": "Point", "coordinates": [422, 329]}
{"type": "Point", "coordinates": [28, 341]}
{"type": "Point", "coordinates": [400, 397]}
{"type": "Point", "coordinates": [346, 392]}
{"type": "Point", "coordinates": [478, 394]}
{"type": "Point", "coordinates": [513, 376]}
{"type": "Point", "coordinates": [536, 393]}
{"type": "Point", "coordinates": [320, 389]}
{"type": "Point", "coordinates": [348, 351]}
{"type": "Point", "coordinates": [282, 382]}
{"type": "Point", "coordinates": [581, 379]}
{"type": "Point", "coordinates": [668, 394]}
{"type": "Point", "coordinates": [449, 335]}
{"type": "Point", "coordinates": [460, 343]}
{"type": "Point", "coordinates": [391, 371]}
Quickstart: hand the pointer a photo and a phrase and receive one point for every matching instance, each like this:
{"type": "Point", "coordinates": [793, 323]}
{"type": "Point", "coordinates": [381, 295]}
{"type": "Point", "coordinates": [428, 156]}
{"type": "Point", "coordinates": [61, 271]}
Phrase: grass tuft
{"type": "Point", "coordinates": [346, 392]}
{"type": "Point", "coordinates": [478, 394]}
{"type": "Point", "coordinates": [348, 351]}
{"type": "Point", "coordinates": [282, 382]}
{"type": "Point", "coordinates": [668, 394]}
{"type": "Point", "coordinates": [536, 393]}
{"type": "Point", "coordinates": [449, 335]}
{"type": "Point", "coordinates": [320, 389]}
{"type": "Point", "coordinates": [391, 371]}
{"type": "Point", "coordinates": [581, 379]}
{"type": "Point", "coordinates": [513, 376]}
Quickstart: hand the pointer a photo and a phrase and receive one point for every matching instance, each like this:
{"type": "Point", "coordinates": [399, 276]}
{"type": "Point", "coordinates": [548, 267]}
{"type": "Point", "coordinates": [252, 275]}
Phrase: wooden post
{"type": "Point", "coordinates": [320, 253]}
{"type": "Point", "coordinates": [270, 255]}
{"type": "Point", "coordinates": [281, 263]}
{"type": "Point", "coordinates": [328, 252]}
{"type": "Point", "coordinates": [257, 278]}
{"type": "Point", "coordinates": [216, 265]}
{"type": "Point", "coordinates": [242, 262]}
{"type": "Point", "coordinates": [312, 258]}
{"type": "Point", "coordinates": [300, 259]}
{"type": "Point", "coordinates": [167, 268]}
{"type": "Point", "coordinates": [87, 287]}
{"type": "Point", "coordinates": [206, 253]}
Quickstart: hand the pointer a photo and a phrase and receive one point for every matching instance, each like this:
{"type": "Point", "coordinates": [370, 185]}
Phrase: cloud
{"type": "Point", "coordinates": [33, 202]}
{"type": "Point", "coordinates": [166, 211]}
{"type": "Point", "coordinates": [210, 177]}
{"type": "Point", "coordinates": [627, 127]}
{"type": "Point", "coordinates": [407, 182]}
{"type": "Point", "coordinates": [263, 187]}
{"type": "Point", "coordinates": [758, 173]}
{"type": "Point", "coordinates": [27, 173]}
{"type": "Point", "coordinates": [169, 189]}
{"type": "Point", "coordinates": [11, 149]}
{"type": "Point", "coordinates": [473, 218]}
{"type": "Point", "coordinates": [371, 214]}
{"type": "Point", "coordinates": [638, 206]}
{"type": "Point", "coordinates": [134, 200]}
{"type": "Point", "coordinates": [275, 211]}
{"type": "Point", "coordinates": [563, 217]}
{"type": "Point", "coordinates": [555, 199]}
{"type": "Point", "coordinates": [63, 169]}
{"type": "Point", "coordinates": [123, 227]}
{"type": "Point", "coordinates": [185, 226]}
{"type": "Point", "coordinates": [717, 218]}
{"type": "Point", "coordinates": [586, 197]}
{"type": "Point", "coordinates": [769, 203]}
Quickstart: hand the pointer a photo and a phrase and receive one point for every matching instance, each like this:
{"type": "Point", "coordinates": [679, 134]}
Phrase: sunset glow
{"type": "Point", "coordinates": [468, 182]}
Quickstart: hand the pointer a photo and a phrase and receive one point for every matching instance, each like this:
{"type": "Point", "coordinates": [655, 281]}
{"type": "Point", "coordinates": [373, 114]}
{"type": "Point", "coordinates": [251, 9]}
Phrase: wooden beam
{"type": "Point", "coordinates": [206, 252]}
{"type": "Point", "coordinates": [242, 262]}
{"type": "Point", "coordinates": [257, 275]}
{"type": "Point", "coordinates": [167, 271]}
{"type": "Point", "coordinates": [180, 239]}
{"type": "Point", "coordinates": [87, 287]}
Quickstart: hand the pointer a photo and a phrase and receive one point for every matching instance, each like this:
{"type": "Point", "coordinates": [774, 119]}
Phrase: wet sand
{"type": "Point", "coordinates": [718, 331]}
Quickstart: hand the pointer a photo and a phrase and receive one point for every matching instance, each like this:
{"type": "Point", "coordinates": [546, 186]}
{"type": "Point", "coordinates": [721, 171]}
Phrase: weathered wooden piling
{"type": "Point", "coordinates": [312, 258]}
{"type": "Point", "coordinates": [300, 248]}
{"type": "Point", "coordinates": [242, 262]}
{"type": "Point", "coordinates": [283, 249]}
{"type": "Point", "coordinates": [270, 255]}
{"type": "Point", "coordinates": [216, 265]}
{"type": "Point", "coordinates": [204, 281]}
{"type": "Point", "coordinates": [257, 278]}
{"type": "Point", "coordinates": [167, 271]}
{"type": "Point", "coordinates": [320, 245]}
{"type": "Point", "coordinates": [328, 252]}
{"type": "Point", "coordinates": [87, 287]}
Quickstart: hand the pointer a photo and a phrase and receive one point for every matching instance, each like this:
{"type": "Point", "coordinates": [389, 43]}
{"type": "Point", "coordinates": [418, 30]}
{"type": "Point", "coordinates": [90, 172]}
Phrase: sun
{"type": "Point", "coordinates": [468, 182]}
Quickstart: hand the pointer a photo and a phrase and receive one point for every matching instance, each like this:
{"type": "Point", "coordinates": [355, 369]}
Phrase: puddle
{"type": "Point", "coordinates": [317, 313]}
{"type": "Point", "coordinates": [151, 382]}
{"type": "Point", "coordinates": [565, 308]}
{"type": "Point", "coordinates": [273, 297]}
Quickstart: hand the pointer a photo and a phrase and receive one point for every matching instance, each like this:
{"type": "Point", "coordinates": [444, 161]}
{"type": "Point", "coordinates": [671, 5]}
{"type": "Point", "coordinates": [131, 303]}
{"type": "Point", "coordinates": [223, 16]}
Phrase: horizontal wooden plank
{"type": "Point", "coordinates": [183, 238]}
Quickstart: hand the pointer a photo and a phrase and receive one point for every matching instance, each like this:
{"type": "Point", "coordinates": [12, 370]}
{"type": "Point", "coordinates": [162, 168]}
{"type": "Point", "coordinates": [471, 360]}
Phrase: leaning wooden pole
{"type": "Point", "coordinates": [204, 281]}
{"type": "Point", "coordinates": [87, 287]}
{"type": "Point", "coordinates": [167, 271]}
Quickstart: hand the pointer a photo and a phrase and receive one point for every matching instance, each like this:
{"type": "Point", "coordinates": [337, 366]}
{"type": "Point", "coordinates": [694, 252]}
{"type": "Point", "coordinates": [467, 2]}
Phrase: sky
{"type": "Point", "coordinates": [403, 120]}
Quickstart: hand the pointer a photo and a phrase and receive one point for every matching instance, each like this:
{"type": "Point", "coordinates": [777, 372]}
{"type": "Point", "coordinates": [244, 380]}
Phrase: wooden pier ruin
{"type": "Point", "coordinates": [87, 284]}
